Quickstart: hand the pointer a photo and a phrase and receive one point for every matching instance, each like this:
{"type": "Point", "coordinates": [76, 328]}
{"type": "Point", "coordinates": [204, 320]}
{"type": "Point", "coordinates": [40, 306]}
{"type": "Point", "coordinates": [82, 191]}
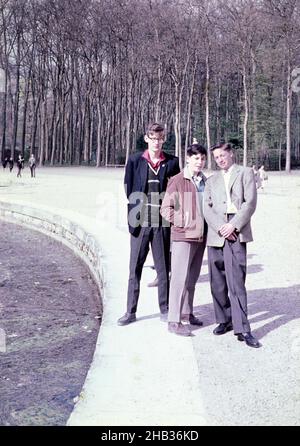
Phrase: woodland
{"type": "Point", "coordinates": [80, 80]}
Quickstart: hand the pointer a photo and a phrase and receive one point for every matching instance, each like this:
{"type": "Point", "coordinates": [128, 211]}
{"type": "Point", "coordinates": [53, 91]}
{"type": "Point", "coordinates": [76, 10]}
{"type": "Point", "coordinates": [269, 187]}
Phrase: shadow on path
{"type": "Point", "coordinates": [251, 269]}
{"type": "Point", "coordinates": [282, 305]}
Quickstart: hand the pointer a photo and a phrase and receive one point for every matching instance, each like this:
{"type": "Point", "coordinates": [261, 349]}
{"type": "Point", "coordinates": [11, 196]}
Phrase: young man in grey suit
{"type": "Point", "coordinates": [229, 202]}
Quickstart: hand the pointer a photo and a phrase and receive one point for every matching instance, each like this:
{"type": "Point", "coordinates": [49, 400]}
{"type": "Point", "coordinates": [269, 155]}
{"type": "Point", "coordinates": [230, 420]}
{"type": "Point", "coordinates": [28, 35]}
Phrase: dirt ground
{"type": "Point", "coordinates": [49, 317]}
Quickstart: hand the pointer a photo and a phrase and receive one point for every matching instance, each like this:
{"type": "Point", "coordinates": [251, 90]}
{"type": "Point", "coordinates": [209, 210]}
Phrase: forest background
{"type": "Point", "coordinates": [81, 79]}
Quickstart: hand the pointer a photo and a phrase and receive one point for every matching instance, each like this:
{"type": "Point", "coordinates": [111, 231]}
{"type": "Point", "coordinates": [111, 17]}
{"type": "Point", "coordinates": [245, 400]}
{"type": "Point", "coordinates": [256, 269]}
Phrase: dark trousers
{"type": "Point", "coordinates": [227, 271]}
{"type": "Point", "coordinates": [32, 170]}
{"type": "Point", "coordinates": [159, 238]}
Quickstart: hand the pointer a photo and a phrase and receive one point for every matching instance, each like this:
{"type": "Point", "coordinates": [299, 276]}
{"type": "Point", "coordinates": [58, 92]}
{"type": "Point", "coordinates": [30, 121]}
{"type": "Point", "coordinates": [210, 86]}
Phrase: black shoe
{"type": "Point", "coordinates": [193, 320]}
{"type": "Point", "coordinates": [179, 329]}
{"type": "Point", "coordinates": [127, 319]}
{"type": "Point", "coordinates": [250, 340]}
{"type": "Point", "coordinates": [223, 328]}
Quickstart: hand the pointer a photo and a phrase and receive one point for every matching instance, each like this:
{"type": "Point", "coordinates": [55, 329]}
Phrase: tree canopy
{"type": "Point", "coordinates": [81, 79]}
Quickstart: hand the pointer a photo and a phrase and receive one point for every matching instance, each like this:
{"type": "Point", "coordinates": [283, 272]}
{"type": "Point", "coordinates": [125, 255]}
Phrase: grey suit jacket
{"type": "Point", "coordinates": [243, 195]}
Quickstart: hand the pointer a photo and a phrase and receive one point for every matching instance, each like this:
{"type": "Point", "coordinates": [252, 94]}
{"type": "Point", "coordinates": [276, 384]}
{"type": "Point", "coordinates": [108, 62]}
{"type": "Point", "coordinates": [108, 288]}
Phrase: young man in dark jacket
{"type": "Point", "coordinates": [146, 178]}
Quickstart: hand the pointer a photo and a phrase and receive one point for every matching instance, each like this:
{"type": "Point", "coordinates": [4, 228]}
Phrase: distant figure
{"type": "Point", "coordinates": [4, 163]}
{"type": "Point", "coordinates": [11, 164]}
{"type": "Point", "coordinates": [256, 176]}
{"type": "Point", "coordinates": [32, 165]}
{"type": "Point", "coordinates": [20, 164]}
{"type": "Point", "coordinates": [263, 176]}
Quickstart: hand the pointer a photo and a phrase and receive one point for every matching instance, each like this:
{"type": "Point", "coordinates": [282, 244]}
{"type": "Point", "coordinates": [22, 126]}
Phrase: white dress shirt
{"type": "Point", "coordinates": [231, 209]}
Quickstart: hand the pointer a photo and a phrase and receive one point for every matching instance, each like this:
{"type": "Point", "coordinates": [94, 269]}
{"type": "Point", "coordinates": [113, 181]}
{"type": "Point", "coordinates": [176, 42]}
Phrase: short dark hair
{"type": "Point", "coordinates": [155, 127]}
{"type": "Point", "coordinates": [222, 145]}
{"type": "Point", "coordinates": [195, 149]}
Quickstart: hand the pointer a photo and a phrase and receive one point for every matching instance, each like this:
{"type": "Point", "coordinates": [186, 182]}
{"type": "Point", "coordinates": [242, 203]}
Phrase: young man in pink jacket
{"type": "Point", "coordinates": [182, 206]}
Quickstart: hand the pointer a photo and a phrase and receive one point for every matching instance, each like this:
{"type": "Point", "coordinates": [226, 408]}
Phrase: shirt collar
{"type": "Point", "coordinates": [162, 157]}
{"type": "Point", "coordinates": [228, 171]}
{"type": "Point", "coordinates": [187, 174]}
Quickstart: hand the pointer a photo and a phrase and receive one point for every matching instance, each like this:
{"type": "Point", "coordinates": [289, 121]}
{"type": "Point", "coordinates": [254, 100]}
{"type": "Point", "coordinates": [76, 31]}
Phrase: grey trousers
{"type": "Point", "coordinates": [186, 261]}
{"type": "Point", "coordinates": [227, 271]}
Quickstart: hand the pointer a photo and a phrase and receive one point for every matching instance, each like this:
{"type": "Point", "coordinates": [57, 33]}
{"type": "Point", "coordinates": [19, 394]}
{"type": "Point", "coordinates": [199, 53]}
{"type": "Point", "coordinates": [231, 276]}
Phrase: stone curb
{"type": "Point", "coordinates": [82, 242]}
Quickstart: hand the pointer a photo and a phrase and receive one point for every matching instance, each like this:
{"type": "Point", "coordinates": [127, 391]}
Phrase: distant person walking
{"type": "Point", "coordinates": [230, 198]}
{"type": "Point", "coordinates": [11, 164]}
{"type": "Point", "coordinates": [32, 165]}
{"type": "Point", "coordinates": [257, 177]}
{"type": "Point", "coordinates": [20, 165]}
{"type": "Point", "coordinates": [263, 176]}
{"type": "Point", "coordinates": [4, 163]}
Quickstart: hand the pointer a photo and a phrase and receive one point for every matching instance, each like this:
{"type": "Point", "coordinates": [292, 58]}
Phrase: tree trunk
{"type": "Point", "coordinates": [62, 130]}
{"type": "Point", "coordinates": [254, 100]}
{"type": "Point", "coordinates": [246, 111]}
{"type": "Point", "coordinates": [86, 125]}
{"type": "Point", "coordinates": [189, 108]}
{"type": "Point", "coordinates": [71, 124]}
{"type": "Point", "coordinates": [42, 131]}
{"type": "Point", "coordinates": [98, 159]}
{"type": "Point", "coordinates": [26, 95]}
{"type": "Point", "coordinates": [90, 155]}
{"type": "Point", "coordinates": [207, 116]}
{"type": "Point", "coordinates": [288, 119]}
{"type": "Point", "coordinates": [227, 112]}
{"type": "Point", "coordinates": [279, 153]}
{"type": "Point", "coordinates": [46, 133]}
{"type": "Point", "coordinates": [16, 113]}
{"type": "Point", "coordinates": [54, 140]}
{"type": "Point", "coordinates": [218, 105]}
{"type": "Point", "coordinates": [34, 126]}
{"type": "Point", "coordinates": [129, 117]}
{"type": "Point", "coordinates": [158, 97]}
{"type": "Point", "coordinates": [4, 113]}
{"type": "Point", "coordinates": [177, 125]}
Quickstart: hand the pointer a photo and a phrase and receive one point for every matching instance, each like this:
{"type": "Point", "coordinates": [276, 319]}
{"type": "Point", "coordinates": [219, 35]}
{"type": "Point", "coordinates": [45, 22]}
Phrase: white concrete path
{"type": "Point", "coordinates": [141, 374]}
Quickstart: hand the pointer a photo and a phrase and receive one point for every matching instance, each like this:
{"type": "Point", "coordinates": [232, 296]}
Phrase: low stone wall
{"type": "Point", "coordinates": [82, 243]}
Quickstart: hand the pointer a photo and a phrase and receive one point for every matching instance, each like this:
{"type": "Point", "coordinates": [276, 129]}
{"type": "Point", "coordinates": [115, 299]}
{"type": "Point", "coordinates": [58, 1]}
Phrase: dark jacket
{"type": "Point", "coordinates": [135, 182]}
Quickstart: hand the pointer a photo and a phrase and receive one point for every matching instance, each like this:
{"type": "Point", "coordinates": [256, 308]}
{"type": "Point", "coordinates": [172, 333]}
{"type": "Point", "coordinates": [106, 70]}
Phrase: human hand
{"type": "Point", "coordinates": [227, 230]}
{"type": "Point", "coordinates": [232, 238]}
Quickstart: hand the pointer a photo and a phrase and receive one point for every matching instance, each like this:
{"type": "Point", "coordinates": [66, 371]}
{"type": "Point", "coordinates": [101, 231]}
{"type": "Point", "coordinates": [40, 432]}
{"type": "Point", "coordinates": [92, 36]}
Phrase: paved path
{"type": "Point", "coordinates": [143, 375]}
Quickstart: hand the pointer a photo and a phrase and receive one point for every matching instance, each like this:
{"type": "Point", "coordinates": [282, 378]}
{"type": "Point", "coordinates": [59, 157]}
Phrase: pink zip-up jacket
{"type": "Point", "coordinates": [181, 208]}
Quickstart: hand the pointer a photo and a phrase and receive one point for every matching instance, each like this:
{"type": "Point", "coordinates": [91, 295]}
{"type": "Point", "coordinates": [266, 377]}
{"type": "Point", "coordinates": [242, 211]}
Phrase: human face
{"type": "Point", "coordinates": [155, 141]}
{"type": "Point", "coordinates": [223, 158]}
{"type": "Point", "coordinates": [196, 163]}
